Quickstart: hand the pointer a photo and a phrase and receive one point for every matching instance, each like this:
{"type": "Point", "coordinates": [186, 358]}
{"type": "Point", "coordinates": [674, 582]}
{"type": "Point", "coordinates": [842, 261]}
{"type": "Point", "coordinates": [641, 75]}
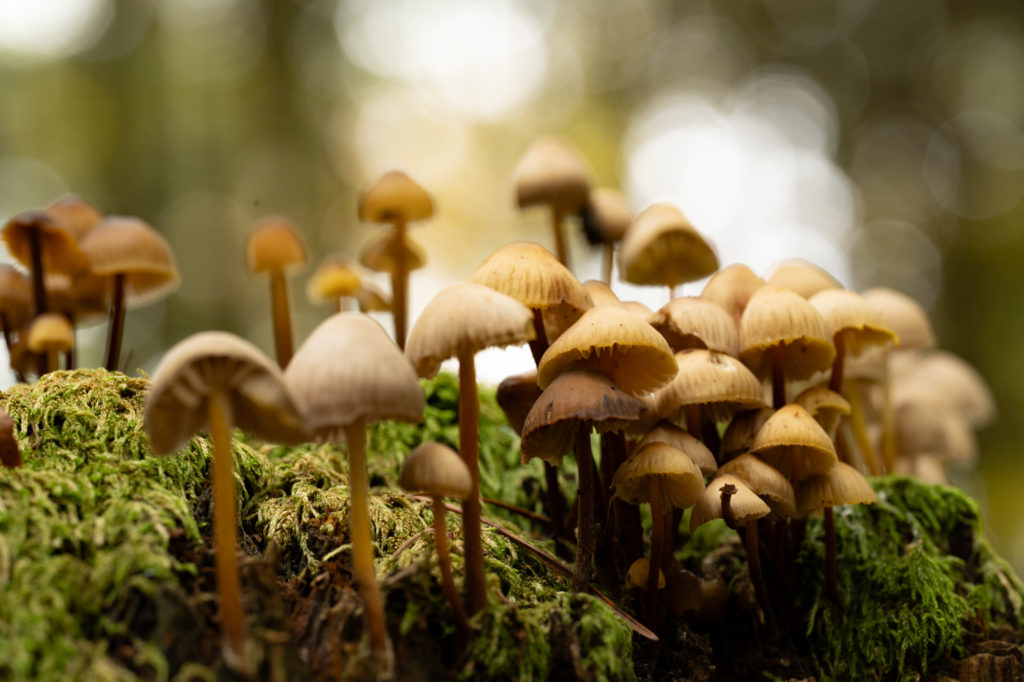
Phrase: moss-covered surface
{"type": "Point", "coordinates": [106, 571]}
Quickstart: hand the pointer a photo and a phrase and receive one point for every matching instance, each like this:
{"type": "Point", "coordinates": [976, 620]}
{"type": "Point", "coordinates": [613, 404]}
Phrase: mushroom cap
{"type": "Point", "coordinates": [177, 403]}
{"type": "Point", "coordinates": [381, 253]}
{"type": "Point", "coordinates": [744, 504]}
{"type": "Point", "coordinates": [348, 370]}
{"type": "Point", "coordinates": [661, 247]}
{"type": "Point", "coordinates": [688, 322]}
{"type": "Point", "coordinates": [607, 216]}
{"type": "Point", "coordinates": [842, 484]}
{"type": "Point", "coordinates": [395, 198]}
{"type": "Point", "coordinates": [951, 380]}
{"type": "Point", "coordinates": [792, 429]}
{"type": "Point", "coordinates": [636, 576]}
{"type": "Point", "coordinates": [670, 434]}
{"type": "Point", "coordinates": [61, 253]}
{"type": "Point", "coordinates": [372, 298]}
{"type": "Point", "coordinates": [765, 480]}
{"type": "Point", "coordinates": [740, 432]}
{"type": "Point", "coordinates": [802, 277]}
{"type": "Point", "coordinates": [905, 317]}
{"type": "Point", "coordinates": [516, 395]}
{"type": "Point", "coordinates": [681, 480]}
{"type": "Point", "coordinates": [335, 277]}
{"type": "Point", "coordinates": [640, 358]}
{"type": "Point", "coordinates": [601, 293]}
{"type": "Point", "coordinates": [128, 246]}
{"type": "Point", "coordinates": [462, 319]}
{"type": "Point", "coordinates": [530, 274]}
{"type": "Point", "coordinates": [50, 332]}
{"type": "Point", "coordinates": [74, 214]}
{"type": "Point", "coordinates": [274, 244]}
{"type": "Point", "coordinates": [847, 314]}
{"type": "Point", "coordinates": [552, 172]}
{"type": "Point", "coordinates": [437, 470]}
{"type": "Point", "coordinates": [924, 425]}
{"type": "Point", "coordinates": [825, 405]}
{"type": "Point", "coordinates": [718, 382]}
{"type": "Point", "coordinates": [576, 398]}
{"type": "Point", "coordinates": [731, 288]}
{"type": "Point", "coordinates": [15, 296]}
{"type": "Point", "coordinates": [780, 317]}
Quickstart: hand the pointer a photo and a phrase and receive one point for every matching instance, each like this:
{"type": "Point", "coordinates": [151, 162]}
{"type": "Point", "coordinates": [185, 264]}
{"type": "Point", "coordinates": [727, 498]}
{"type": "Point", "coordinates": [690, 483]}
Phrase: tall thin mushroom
{"type": "Point", "coordinates": [273, 245]}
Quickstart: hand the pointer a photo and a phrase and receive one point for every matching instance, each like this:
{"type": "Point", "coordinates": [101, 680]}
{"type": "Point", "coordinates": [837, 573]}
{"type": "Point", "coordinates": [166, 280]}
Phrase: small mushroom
{"type": "Point", "coordinates": [437, 469]}
{"type": "Point", "coordinates": [40, 243]}
{"type": "Point", "coordinates": [273, 245]}
{"type": "Point", "coordinates": [731, 288]}
{"type": "Point", "coordinates": [10, 454]}
{"type": "Point", "coordinates": [606, 217]}
{"type": "Point", "coordinates": [50, 335]}
{"type": "Point", "coordinates": [216, 380]}
{"type": "Point", "coordinates": [334, 280]}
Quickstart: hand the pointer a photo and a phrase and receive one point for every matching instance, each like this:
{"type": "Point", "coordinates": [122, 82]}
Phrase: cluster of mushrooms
{"type": "Point", "coordinates": [759, 402]}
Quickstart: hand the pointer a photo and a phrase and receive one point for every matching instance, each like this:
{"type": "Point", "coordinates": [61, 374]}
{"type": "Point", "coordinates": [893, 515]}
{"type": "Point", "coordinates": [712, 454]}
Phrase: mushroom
{"type": "Point", "coordinates": [731, 288]}
{"type": "Point", "coordinates": [272, 246]}
{"type": "Point", "coordinates": [805, 278]}
{"type": "Point", "coordinates": [436, 469]}
{"type": "Point", "coordinates": [216, 380]}
{"type": "Point", "coordinates": [606, 217]}
{"type": "Point", "coordinates": [460, 320]}
{"type": "Point", "coordinates": [795, 444]}
{"type": "Point", "coordinates": [346, 375]}
{"type": "Point", "coordinates": [37, 241]}
{"type": "Point", "coordinates": [334, 280]}
{"type": "Point", "coordinates": [137, 265]}
{"type": "Point", "coordinates": [552, 172]}
{"type": "Point", "coordinates": [50, 335]}
{"type": "Point", "coordinates": [10, 454]}
{"type": "Point", "coordinates": [397, 200]}
{"type": "Point", "coordinates": [855, 326]}
{"type": "Point", "coordinates": [74, 214]}
{"type": "Point", "coordinates": [688, 322]}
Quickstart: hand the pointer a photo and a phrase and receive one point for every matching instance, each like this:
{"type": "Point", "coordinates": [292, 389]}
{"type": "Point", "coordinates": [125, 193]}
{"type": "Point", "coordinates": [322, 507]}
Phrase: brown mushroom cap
{"type": "Point", "coordinates": [847, 314]}
{"type": "Point", "coordinates": [552, 172]}
{"type": "Point", "coordinates": [842, 484]}
{"type": "Point", "coordinates": [904, 316]}
{"type": "Point", "coordinates": [780, 317]}
{"type": "Point", "coordinates": [640, 359]}
{"type": "Point", "coordinates": [336, 276]}
{"type": "Point", "coordinates": [765, 480]}
{"type": "Point", "coordinates": [465, 317]}
{"type": "Point", "coordinates": [636, 576]}
{"type": "Point", "coordinates": [688, 322]}
{"type": "Point", "coordinates": [74, 214]}
{"type": "Point", "coordinates": [792, 429]}
{"type": "Point", "coordinates": [670, 434]}
{"type": "Point", "coordinates": [826, 406]}
{"type": "Point", "coordinates": [350, 369]}
{"type": "Point", "coordinates": [131, 247]}
{"type": "Point", "coordinates": [15, 296]}
{"type": "Point", "coordinates": [610, 215]}
{"type": "Point", "coordinates": [720, 383]}
{"type": "Point", "coordinates": [60, 251]}
{"type": "Point", "coordinates": [50, 332]}
{"type": "Point", "coordinates": [516, 395]}
{"type": "Point", "coordinates": [802, 277]}
{"type": "Point", "coordinates": [661, 247]}
{"type": "Point", "coordinates": [681, 480]}
{"type": "Point", "coordinates": [372, 298]}
{"type": "Point", "coordinates": [176, 404]}
{"type": "Point", "coordinates": [740, 433]}
{"type": "Point", "coordinates": [731, 288]}
{"type": "Point", "coordinates": [381, 253]}
{"type": "Point", "coordinates": [274, 244]}
{"type": "Point", "coordinates": [577, 397]}
{"type": "Point", "coordinates": [437, 470]}
{"type": "Point", "coordinates": [395, 198]}
{"type": "Point", "coordinates": [744, 504]}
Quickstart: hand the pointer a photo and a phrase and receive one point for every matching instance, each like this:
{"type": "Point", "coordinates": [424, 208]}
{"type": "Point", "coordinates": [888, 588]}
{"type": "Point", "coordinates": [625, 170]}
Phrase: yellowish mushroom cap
{"type": "Point", "coordinates": [848, 315]}
{"type": "Point", "coordinates": [336, 276]}
{"type": "Point", "coordinates": [765, 480]}
{"type": "Point", "coordinates": [601, 293]}
{"type": "Point", "coordinates": [437, 470]}
{"type": "Point", "coordinates": [802, 277]}
{"type": "Point", "coordinates": [552, 172]}
{"type": "Point", "coordinates": [616, 342]}
{"type": "Point", "coordinates": [826, 406]}
{"type": "Point", "coordinates": [739, 435]}
{"type": "Point", "coordinates": [688, 322]}
{"type": "Point", "coordinates": [465, 318]}
{"type": "Point", "coordinates": [274, 244]}
{"type": "Point", "coordinates": [670, 434]}
{"type": "Point", "coordinates": [661, 247]}
{"type": "Point", "coordinates": [681, 480]}
{"type": "Point", "coordinates": [349, 369]}
{"type": "Point", "coordinates": [904, 316]}
{"type": "Point", "coordinates": [731, 288]}
{"type": "Point", "coordinates": [842, 484]}
{"type": "Point", "coordinates": [60, 251]}
{"type": "Point", "coordinates": [636, 577]}
{"type": "Point", "coordinates": [609, 216]}
{"type": "Point", "coordinates": [744, 504]}
{"type": "Point", "coordinates": [131, 247]}
{"type": "Point", "coordinates": [74, 214]}
{"type": "Point", "coordinates": [51, 332]}
{"type": "Point", "coordinates": [718, 382]}
{"type": "Point", "coordinates": [780, 317]}
{"type": "Point", "coordinates": [177, 404]}
{"type": "Point", "coordinates": [530, 274]}
{"type": "Point", "coordinates": [381, 253]}
{"type": "Point", "coordinates": [395, 198]}
{"type": "Point", "coordinates": [792, 429]}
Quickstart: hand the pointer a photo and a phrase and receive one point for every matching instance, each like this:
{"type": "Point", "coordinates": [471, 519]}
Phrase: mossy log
{"type": "Point", "coordinates": [106, 571]}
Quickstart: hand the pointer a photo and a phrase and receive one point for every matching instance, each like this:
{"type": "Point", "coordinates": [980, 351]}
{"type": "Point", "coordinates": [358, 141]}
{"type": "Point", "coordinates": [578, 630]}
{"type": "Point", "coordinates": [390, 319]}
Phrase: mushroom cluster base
{"type": "Point", "coordinates": [106, 569]}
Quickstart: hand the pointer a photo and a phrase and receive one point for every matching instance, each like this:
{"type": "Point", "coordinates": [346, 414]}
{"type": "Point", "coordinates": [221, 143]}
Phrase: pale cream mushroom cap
{"type": "Point", "coordinates": [688, 322]}
{"type": "Point", "coordinates": [731, 288]}
{"type": "Point", "coordinates": [905, 317]}
{"type": "Point", "coordinates": [744, 504]}
{"type": "Point", "coordinates": [765, 480]}
{"type": "Point", "coordinates": [552, 172]}
{"type": "Point", "coordinates": [842, 484]}
{"type": "Point", "coordinates": [802, 277]}
{"type": "Point", "coordinates": [436, 469]}
{"type": "Point", "coordinates": [791, 429]}
{"type": "Point", "coordinates": [661, 247]}
{"type": "Point", "coordinates": [780, 317]}
{"type": "Point", "coordinates": [681, 480]}
{"type": "Point", "coordinates": [395, 198]}
{"type": "Point", "coordinates": [74, 214]}
{"type": "Point", "coordinates": [670, 434]}
{"type": "Point", "coordinates": [848, 314]}
{"type": "Point", "coordinates": [717, 382]}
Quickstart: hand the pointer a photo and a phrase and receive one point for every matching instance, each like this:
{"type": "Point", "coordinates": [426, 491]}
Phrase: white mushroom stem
{"type": "Point", "coordinates": [362, 542]}
{"type": "Point", "coordinates": [469, 425]}
{"type": "Point", "coordinates": [225, 522]}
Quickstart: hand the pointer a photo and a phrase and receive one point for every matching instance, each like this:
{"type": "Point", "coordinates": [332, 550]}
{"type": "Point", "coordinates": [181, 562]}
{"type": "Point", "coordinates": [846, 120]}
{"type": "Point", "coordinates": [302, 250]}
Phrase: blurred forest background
{"type": "Point", "coordinates": [882, 140]}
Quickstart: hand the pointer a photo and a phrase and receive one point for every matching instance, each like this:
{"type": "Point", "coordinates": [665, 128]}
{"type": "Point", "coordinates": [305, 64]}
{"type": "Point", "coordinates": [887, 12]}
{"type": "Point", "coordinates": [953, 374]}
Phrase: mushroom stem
{"type": "Point", "coordinates": [115, 327]}
{"type": "Point", "coordinates": [400, 287]}
{"type": "Point", "coordinates": [469, 424]}
{"type": "Point", "coordinates": [585, 529]}
{"type": "Point", "coordinates": [888, 419]}
{"type": "Point", "coordinates": [778, 377]}
{"type": "Point", "coordinates": [445, 564]}
{"type": "Point", "coordinates": [694, 423]}
{"type": "Point", "coordinates": [225, 522]}
{"type": "Point", "coordinates": [756, 574]}
{"type": "Point", "coordinates": [831, 588]}
{"type": "Point", "coordinates": [71, 354]}
{"type": "Point", "coordinates": [555, 502]}
{"type": "Point", "coordinates": [362, 542]}
{"type": "Point", "coordinates": [835, 382]}
{"type": "Point", "coordinates": [38, 287]}
{"type": "Point", "coordinates": [860, 430]}
{"type": "Point", "coordinates": [7, 331]}
{"type": "Point", "coordinates": [52, 360]}
{"type": "Point", "coordinates": [609, 257]}
{"type": "Point", "coordinates": [540, 341]}
{"type": "Point", "coordinates": [281, 316]}
{"type": "Point", "coordinates": [657, 537]}
{"type": "Point", "coordinates": [556, 227]}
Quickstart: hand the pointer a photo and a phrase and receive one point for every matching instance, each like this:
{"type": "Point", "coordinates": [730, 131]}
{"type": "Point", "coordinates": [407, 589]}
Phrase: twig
{"type": "Point", "coordinates": [533, 516]}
